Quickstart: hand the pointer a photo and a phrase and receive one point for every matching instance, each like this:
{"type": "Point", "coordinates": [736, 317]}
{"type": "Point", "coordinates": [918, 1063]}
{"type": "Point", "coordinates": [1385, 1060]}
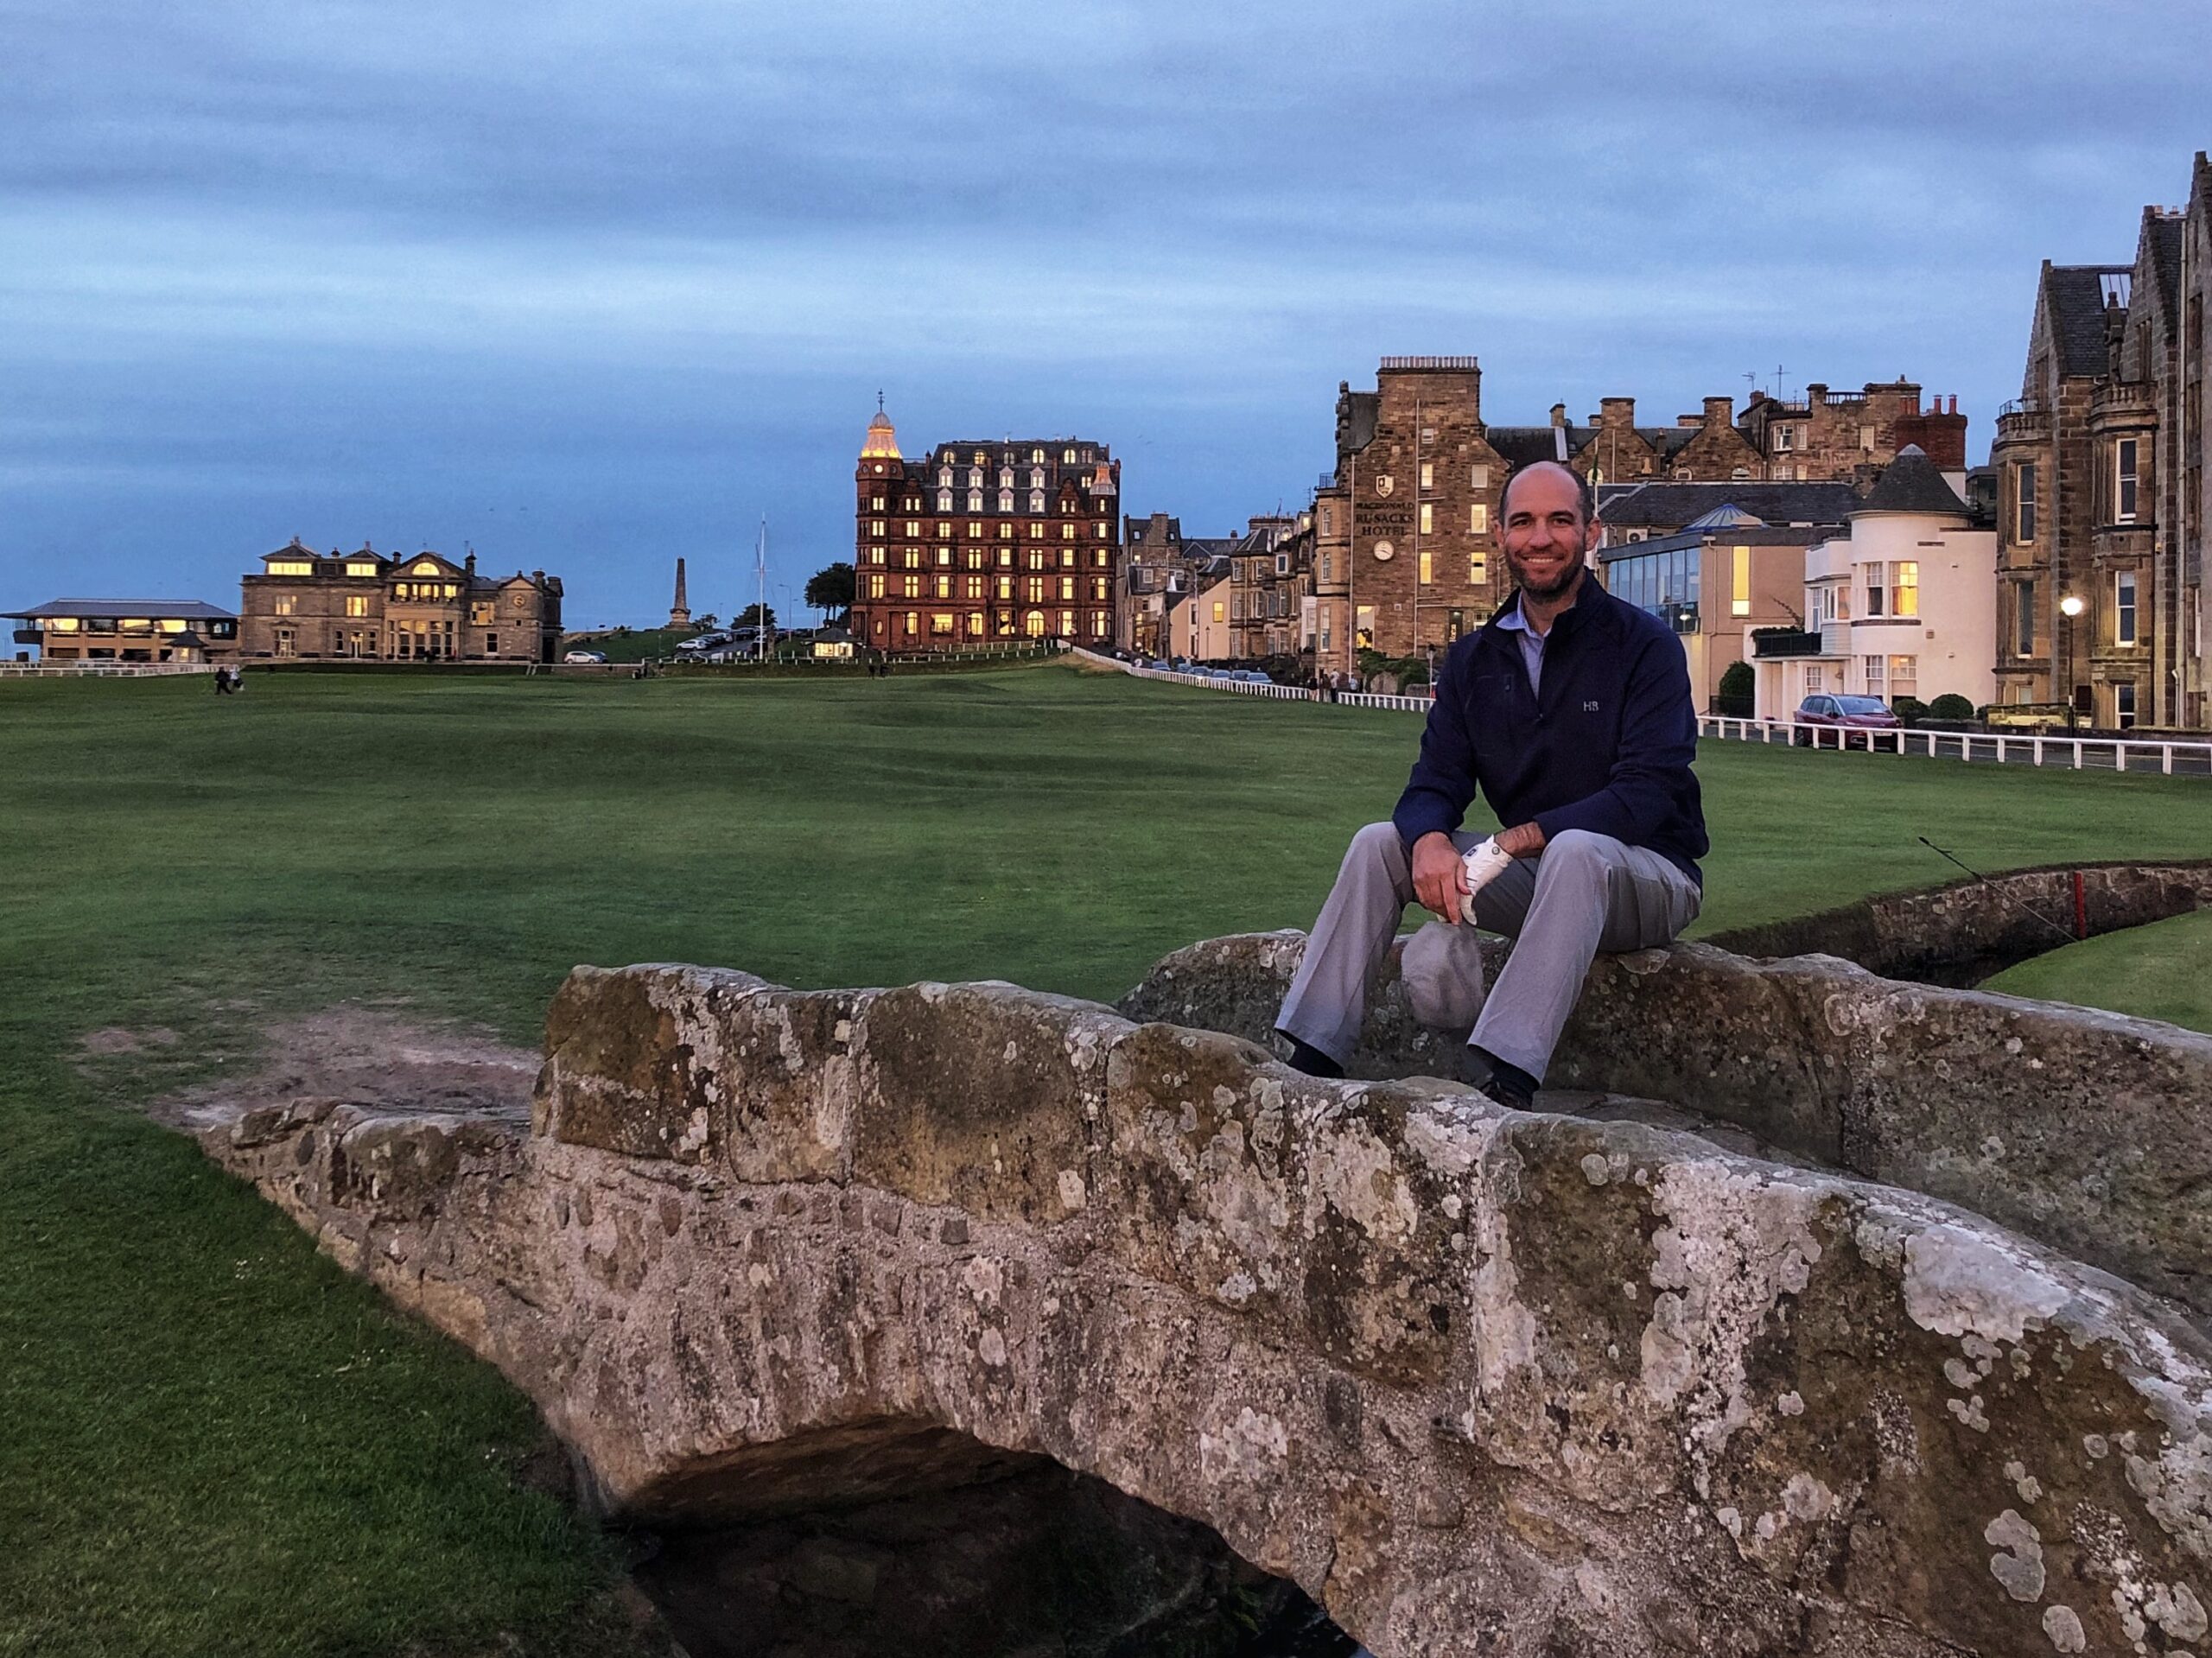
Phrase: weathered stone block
{"type": "Point", "coordinates": [982, 1095]}
{"type": "Point", "coordinates": [621, 1050]}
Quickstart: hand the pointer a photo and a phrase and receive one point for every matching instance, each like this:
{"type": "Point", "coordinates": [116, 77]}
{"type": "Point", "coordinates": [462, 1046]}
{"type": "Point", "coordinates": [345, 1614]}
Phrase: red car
{"type": "Point", "coordinates": [1856, 720]}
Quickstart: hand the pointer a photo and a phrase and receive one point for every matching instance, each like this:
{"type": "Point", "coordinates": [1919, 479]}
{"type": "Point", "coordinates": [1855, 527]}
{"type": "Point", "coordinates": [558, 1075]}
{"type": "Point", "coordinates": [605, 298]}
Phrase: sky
{"type": "Point", "coordinates": [587, 287]}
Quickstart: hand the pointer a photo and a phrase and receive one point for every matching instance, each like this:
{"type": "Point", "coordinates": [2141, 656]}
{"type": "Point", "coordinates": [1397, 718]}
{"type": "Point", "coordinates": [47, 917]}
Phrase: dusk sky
{"type": "Point", "coordinates": [587, 287]}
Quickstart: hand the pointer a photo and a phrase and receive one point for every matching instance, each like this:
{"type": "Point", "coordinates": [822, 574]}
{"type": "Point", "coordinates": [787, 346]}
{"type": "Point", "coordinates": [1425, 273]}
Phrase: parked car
{"type": "Point", "coordinates": [705, 642]}
{"type": "Point", "coordinates": [2037, 719]}
{"type": "Point", "coordinates": [1251, 676]}
{"type": "Point", "coordinates": [584, 657]}
{"type": "Point", "coordinates": [1857, 718]}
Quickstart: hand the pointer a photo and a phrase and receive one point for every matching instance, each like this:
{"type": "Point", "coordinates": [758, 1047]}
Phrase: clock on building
{"type": "Point", "coordinates": [1383, 549]}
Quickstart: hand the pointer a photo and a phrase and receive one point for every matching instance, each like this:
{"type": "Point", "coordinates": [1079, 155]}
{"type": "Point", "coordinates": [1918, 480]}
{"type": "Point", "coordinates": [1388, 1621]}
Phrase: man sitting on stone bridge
{"type": "Point", "coordinates": [1571, 711]}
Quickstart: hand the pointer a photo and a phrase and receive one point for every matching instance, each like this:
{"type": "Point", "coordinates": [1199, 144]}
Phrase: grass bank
{"type": "Point", "coordinates": [218, 1444]}
{"type": "Point", "coordinates": [2161, 971]}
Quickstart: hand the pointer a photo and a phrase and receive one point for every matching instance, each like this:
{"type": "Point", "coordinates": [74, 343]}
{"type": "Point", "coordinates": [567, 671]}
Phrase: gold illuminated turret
{"type": "Point", "coordinates": [882, 438]}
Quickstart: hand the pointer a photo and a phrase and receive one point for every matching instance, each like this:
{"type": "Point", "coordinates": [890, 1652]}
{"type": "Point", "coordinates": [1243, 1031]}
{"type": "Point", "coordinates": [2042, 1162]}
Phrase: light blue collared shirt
{"type": "Point", "coordinates": [1532, 644]}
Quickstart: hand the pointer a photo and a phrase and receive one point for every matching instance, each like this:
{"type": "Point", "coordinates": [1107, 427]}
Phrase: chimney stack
{"type": "Point", "coordinates": [1720, 411]}
{"type": "Point", "coordinates": [1559, 413]}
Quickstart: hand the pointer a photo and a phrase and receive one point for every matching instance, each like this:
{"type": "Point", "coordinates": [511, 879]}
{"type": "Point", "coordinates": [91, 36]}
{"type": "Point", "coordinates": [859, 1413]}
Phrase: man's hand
{"type": "Point", "coordinates": [1521, 840]}
{"type": "Point", "coordinates": [1439, 876]}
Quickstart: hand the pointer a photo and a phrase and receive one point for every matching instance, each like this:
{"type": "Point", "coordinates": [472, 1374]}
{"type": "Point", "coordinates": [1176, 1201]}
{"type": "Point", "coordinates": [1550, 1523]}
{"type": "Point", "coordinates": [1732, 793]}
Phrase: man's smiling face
{"type": "Point", "coordinates": [1546, 535]}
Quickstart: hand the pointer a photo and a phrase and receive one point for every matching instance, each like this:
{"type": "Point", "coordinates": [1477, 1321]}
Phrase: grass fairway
{"type": "Point", "coordinates": [218, 1444]}
{"type": "Point", "coordinates": [2154, 972]}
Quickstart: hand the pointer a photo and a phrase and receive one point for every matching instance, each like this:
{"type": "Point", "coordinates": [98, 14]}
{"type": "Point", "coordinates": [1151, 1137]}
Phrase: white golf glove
{"type": "Point", "coordinates": [1483, 864]}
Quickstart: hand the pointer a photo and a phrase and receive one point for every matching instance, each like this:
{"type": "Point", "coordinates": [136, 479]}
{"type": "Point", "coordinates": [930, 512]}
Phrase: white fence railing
{"type": "Point", "coordinates": [100, 670]}
{"type": "Point", "coordinates": [2077, 753]}
{"type": "Point", "coordinates": [1255, 688]}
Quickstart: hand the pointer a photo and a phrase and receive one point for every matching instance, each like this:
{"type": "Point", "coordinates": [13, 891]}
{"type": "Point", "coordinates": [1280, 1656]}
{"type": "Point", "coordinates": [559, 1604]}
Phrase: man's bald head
{"type": "Point", "coordinates": [1586, 497]}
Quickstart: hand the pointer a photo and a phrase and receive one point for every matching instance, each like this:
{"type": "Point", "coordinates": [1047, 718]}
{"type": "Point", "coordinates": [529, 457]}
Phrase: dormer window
{"type": "Point", "coordinates": [1006, 500]}
{"type": "Point", "coordinates": [944, 500]}
{"type": "Point", "coordinates": [1067, 457]}
{"type": "Point", "coordinates": [1037, 500]}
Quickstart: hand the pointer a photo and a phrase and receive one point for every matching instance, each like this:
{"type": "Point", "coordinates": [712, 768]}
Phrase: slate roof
{"type": "Point", "coordinates": [1524, 446]}
{"type": "Point", "coordinates": [2073, 298]}
{"type": "Point", "coordinates": [167, 610]}
{"type": "Point", "coordinates": [1911, 484]}
{"type": "Point", "coordinates": [1669, 507]}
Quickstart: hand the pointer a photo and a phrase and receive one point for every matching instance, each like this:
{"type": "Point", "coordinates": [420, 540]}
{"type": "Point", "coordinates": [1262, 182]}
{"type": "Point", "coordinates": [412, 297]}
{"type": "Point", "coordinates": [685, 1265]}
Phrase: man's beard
{"type": "Point", "coordinates": [1567, 578]}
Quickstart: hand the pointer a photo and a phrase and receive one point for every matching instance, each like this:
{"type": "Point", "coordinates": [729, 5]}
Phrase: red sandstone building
{"type": "Point", "coordinates": [984, 542]}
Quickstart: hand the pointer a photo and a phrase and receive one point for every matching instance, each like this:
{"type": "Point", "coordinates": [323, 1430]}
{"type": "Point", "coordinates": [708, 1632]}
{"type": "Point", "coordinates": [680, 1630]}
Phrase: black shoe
{"type": "Point", "coordinates": [1310, 1059]}
{"type": "Point", "coordinates": [1509, 1085]}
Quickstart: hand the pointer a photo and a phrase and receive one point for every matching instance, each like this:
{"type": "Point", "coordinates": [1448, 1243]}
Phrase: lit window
{"type": "Point", "coordinates": [944, 556]}
{"type": "Point", "coordinates": [944, 589]}
{"type": "Point", "coordinates": [361, 569]}
{"type": "Point", "coordinates": [1427, 467]}
{"type": "Point", "coordinates": [287, 605]}
{"type": "Point", "coordinates": [1067, 587]}
{"type": "Point", "coordinates": [941, 624]}
{"type": "Point", "coordinates": [290, 567]}
{"type": "Point", "coordinates": [910, 587]}
{"type": "Point", "coordinates": [427, 567]}
{"type": "Point", "coordinates": [1477, 568]}
{"type": "Point", "coordinates": [1220, 612]}
{"type": "Point", "coordinates": [1478, 518]}
{"type": "Point", "coordinates": [1740, 581]}
{"type": "Point", "coordinates": [1427, 573]}
{"type": "Point", "coordinates": [1906, 598]}
{"type": "Point", "coordinates": [356, 604]}
{"type": "Point", "coordinates": [875, 586]}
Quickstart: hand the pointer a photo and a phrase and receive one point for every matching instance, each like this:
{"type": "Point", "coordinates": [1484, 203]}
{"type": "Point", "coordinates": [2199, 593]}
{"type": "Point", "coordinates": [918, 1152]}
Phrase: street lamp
{"type": "Point", "coordinates": [2068, 607]}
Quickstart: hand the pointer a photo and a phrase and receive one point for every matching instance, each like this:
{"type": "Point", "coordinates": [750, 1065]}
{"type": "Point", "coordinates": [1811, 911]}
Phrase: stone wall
{"type": "Point", "coordinates": [2087, 1130]}
{"type": "Point", "coordinates": [1478, 1380]}
{"type": "Point", "coordinates": [1962, 933]}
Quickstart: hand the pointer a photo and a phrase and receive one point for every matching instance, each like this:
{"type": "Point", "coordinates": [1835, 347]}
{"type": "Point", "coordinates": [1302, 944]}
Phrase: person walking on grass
{"type": "Point", "coordinates": [1570, 711]}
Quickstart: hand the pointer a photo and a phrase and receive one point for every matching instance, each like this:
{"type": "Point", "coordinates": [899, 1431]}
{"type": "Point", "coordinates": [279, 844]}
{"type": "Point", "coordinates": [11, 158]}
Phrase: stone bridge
{"type": "Point", "coordinates": [1480, 1381]}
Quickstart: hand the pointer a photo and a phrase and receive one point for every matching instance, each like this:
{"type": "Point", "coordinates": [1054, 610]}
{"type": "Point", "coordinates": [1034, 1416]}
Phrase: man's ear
{"type": "Point", "coordinates": [1591, 533]}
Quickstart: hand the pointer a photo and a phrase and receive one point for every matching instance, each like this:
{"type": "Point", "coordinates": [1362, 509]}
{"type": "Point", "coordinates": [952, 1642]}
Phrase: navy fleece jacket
{"type": "Point", "coordinates": [1606, 747]}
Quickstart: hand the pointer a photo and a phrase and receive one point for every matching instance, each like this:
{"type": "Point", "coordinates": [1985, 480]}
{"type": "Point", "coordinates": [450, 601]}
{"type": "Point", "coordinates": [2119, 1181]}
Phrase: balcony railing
{"type": "Point", "coordinates": [1769, 642]}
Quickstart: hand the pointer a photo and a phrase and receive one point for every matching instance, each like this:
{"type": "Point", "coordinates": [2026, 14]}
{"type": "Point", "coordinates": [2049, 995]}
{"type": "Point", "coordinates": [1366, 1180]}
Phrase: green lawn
{"type": "Point", "coordinates": [2161, 971]}
{"type": "Point", "coordinates": [217, 1443]}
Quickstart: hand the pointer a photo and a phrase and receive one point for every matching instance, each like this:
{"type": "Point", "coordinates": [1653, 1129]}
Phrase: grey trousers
{"type": "Point", "coordinates": [1583, 893]}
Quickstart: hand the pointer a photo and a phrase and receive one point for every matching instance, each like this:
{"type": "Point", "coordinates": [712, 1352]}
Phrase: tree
{"type": "Point", "coordinates": [832, 589]}
{"type": "Point", "coordinates": [756, 615]}
{"type": "Point", "coordinates": [1733, 699]}
{"type": "Point", "coordinates": [707, 620]}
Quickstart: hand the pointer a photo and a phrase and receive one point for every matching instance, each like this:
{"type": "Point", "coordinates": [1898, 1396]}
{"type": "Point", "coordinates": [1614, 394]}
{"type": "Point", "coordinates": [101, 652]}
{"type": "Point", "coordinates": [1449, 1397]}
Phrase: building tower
{"type": "Point", "coordinates": [679, 613]}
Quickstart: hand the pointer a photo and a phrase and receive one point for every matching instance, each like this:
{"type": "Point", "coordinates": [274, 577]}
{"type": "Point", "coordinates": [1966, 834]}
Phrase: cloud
{"type": "Point", "coordinates": [404, 268]}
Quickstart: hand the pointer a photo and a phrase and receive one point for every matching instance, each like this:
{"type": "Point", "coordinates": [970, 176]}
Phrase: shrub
{"type": "Point", "coordinates": [1951, 706]}
{"type": "Point", "coordinates": [1738, 682]}
{"type": "Point", "coordinates": [1911, 710]}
